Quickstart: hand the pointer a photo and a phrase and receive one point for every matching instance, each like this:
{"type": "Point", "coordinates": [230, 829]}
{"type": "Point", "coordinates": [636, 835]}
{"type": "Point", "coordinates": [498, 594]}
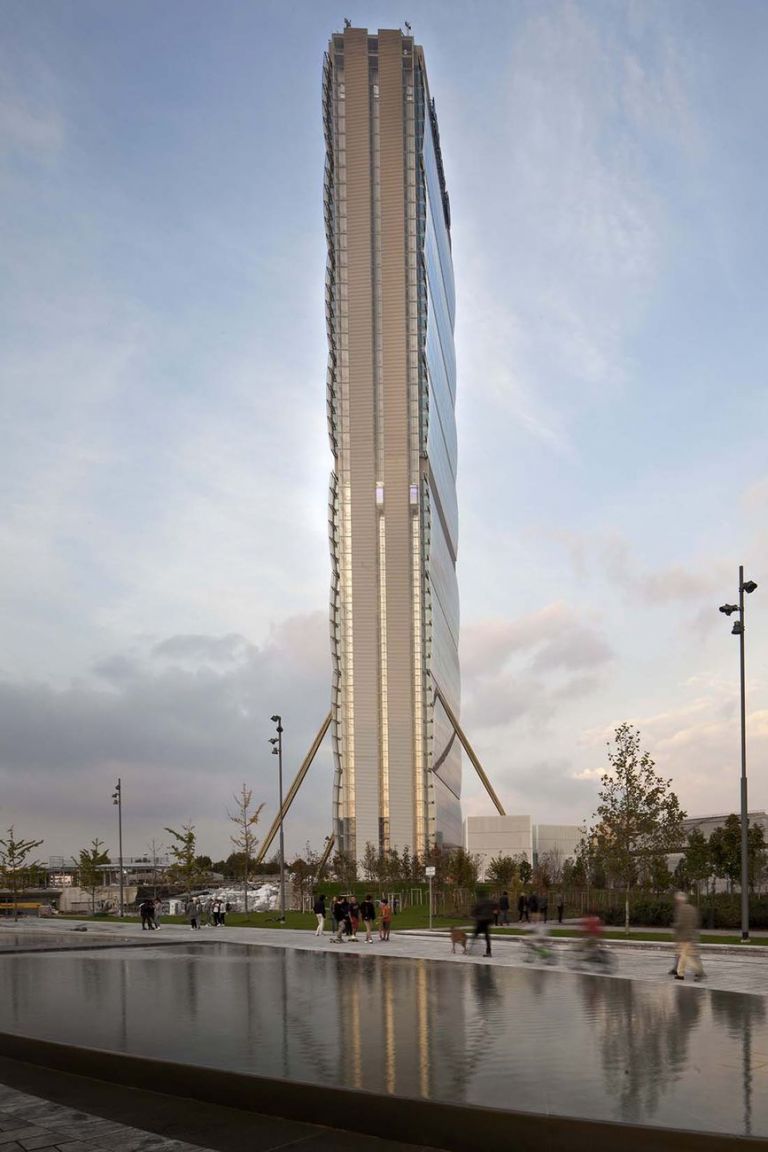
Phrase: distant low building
{"type": "Point", "coordinates": [517, 836]}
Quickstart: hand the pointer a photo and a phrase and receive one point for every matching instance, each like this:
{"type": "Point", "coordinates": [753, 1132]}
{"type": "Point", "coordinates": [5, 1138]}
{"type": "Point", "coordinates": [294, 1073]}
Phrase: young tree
{"type": "Point", "coordinates": [155, 859]}
{"type": "Point", "coordinates": [245, 841]}
{"type": "Point", "coordinates": [551, 866]}
{"type": "Point", "coordinates": [501, 870]}
{"type": "Point", "coordinates": [437, 858]}
{"type": "Point", "coordinates": [90, 866]}
{"type": "Point", "coordinates": [14, 866]}
{"type": "Point", "coordinates": [638, 816]}
{"type": "Point", "coordinates": [344, 868]}
{"type": "Point", "coordinates": [370, 862]}
{"type": "Point", "coordinates": [725, 849]}
{"type": "Point", "coordinates": [465, 868]}
{"type": "Point", "coordinates": [302, 873]}
{"type": "Point", "coordinates": [524, 871]}
{"type": "Point", "coordinates": [697, 861]}
{"type": "Point", "coordinates": [186, 869]}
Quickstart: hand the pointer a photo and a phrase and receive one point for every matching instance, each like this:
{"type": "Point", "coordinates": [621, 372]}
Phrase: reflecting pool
{"type": "Point", "coordinates": [509, 1038]}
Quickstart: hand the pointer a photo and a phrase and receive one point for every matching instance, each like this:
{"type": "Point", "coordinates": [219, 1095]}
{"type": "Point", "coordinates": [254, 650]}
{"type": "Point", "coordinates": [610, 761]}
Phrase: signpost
{"type": "Point", "coordinates": [430, 871]}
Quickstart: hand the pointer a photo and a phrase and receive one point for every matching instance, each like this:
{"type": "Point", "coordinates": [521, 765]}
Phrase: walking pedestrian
{"type": "Point", "coordinates": [560, 908]}
{"type": "Point", "coordinates": [482, 914]}
{"type": "Point", "coordinates": [193, 914]}
{"type": "Point", "coordinates": [522, 907]}
{"type": "Point", "coordinates": [533, 907]}
{"type": "Point", "coordinates": [354, 916]}
{"type": "Point", "coordinates": [686, 926]}
{"type": "Point", "coordinates": [147, 913]}
{"type": "Point", "coordinates": [319, 910]}
{"type": "Point", "coordinates": [543, 906]}
{"type": "Point", "coordinates": [223, 914]}
{"type": "Point", "coordinates": [504, 908]}
{"type": "Point", "coordinates": [158, 906]}
{"type": "Point", "coordinates": [368, 913]}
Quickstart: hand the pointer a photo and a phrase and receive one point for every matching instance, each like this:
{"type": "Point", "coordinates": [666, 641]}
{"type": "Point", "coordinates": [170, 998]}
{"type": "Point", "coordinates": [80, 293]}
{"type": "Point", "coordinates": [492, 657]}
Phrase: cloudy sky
{"type": "Point", "coordinates": [163, 451]}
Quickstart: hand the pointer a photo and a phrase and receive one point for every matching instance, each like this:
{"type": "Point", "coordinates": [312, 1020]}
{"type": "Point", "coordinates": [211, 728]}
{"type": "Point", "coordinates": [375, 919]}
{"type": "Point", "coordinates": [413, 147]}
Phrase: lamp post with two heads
{"type": "Point", "coordinates": [277, 750]}
{"type": "Point", "coordinates": [117, 798]}
{"type": "Point", "coordinates": [738, 629]}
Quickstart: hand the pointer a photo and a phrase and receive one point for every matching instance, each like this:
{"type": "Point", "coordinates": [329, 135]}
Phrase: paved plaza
{"type": "Point", "coordinates": [729, 967]}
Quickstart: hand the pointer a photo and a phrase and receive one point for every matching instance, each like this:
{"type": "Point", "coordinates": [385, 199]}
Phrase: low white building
{"type": "Point", "coordinates": [517, 836]}
{"type": "Point", "coordinates": [562, 839]}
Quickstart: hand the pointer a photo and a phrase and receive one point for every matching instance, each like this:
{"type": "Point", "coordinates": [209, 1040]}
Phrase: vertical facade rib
{"type": "Point", "coordinates": [391, 388]}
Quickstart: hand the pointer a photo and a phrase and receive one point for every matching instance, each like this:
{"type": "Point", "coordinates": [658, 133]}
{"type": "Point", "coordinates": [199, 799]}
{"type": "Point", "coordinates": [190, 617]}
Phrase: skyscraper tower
{"type": "Point", "coordinates": [390, 310]}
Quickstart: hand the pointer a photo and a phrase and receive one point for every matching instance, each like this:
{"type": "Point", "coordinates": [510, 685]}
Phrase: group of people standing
{"type": "Point", "coordinates": [348, 914]}
{"type": "Point", "coordinates": [535, 906]}
{"type": "Point", "coordinates": [203, 914]}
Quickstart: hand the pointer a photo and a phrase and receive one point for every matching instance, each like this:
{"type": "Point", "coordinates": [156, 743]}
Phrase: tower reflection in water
{"type": "Point", "coordinates": [508, 1038]}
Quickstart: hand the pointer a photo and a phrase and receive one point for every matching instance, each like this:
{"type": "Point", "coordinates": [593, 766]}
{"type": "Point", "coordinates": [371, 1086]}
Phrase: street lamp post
{"type": "Point", "coordinates": [277, 750]}
{"type": "Point", "coordinates": [117, 798]}
{"type": "Point", "coordinates": [738, 629]}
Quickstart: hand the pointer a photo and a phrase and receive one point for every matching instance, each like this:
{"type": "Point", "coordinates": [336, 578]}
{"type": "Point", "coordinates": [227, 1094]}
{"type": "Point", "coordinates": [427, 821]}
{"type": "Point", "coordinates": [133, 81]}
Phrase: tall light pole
{"type": "Point", "coordinates": [117, 798]}
{"type": "Point", "coordinates": [277, 750]}
{"type": "Point", "coordinates": [738, 629]}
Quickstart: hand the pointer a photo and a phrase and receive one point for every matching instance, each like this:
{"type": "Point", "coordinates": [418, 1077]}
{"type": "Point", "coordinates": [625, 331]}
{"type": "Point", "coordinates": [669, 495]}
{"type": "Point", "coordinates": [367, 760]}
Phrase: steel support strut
{"type": "Point", "coordinates": [294, 788]}
{"type": "Point", "coordinates": [468, 749]}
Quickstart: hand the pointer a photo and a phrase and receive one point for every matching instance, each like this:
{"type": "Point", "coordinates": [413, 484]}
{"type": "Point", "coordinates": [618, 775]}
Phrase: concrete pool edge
{"type": "Point", "coordinates": [456, 1128]}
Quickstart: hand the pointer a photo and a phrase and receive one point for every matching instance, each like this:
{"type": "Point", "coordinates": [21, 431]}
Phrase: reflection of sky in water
{"type": "Point", "coordinates": [506, 1038]}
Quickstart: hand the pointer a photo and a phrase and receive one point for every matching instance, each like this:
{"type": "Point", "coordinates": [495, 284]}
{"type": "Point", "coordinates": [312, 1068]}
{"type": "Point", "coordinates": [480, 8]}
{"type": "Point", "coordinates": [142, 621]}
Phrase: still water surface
{"type": "Point", "coordinates": [537, 1040]}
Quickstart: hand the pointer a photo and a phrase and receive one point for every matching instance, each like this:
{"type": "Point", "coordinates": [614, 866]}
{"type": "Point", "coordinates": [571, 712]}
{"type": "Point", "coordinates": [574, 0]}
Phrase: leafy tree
{"type": "Point", "coordinates": [524, 871]}
{"type": "Point", "coordinates": [90, 866]}
{"type": "Point", "coordinates": [550, 866]}
{"type": "Point", "coordinates": [437, 858]}
{"type": "Point", "coordinates": [655, 874]}
{"type": "Point", "coordinates": [344, 868]}
{"type": "Point", "coordinates": [370, 862]}
{"type": "Point", "coordinates": [302, 874]}
{"type": "Point", "coordinates": [392, 866]}
{"type": "Point", "coordinates": [410, 865]}
{"type": "Point", "coordinates": [246, 818]}
{"type": "Point", "coordinates": [638, 818]}
{"type": "Point", "coordinates": [501, 870]}
{"type": "Point", "coordinates": [697, 861]}
{"type": "Point", "coordinates": [185, 869]}
{"type": "Point", "coordinates": [465, 868]}
{"type": "Point", "coordinates": [574, 874]}
{"type": "Point", "coordinates": [14, 867]}
{"type": "Point", "coordinates": [725, 849]}
{"type": "Point", "coordinates": [205, 863]}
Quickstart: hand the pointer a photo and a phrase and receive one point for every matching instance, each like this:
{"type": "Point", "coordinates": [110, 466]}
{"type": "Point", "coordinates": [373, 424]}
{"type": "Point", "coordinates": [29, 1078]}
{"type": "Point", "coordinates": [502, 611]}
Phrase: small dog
{"type": "Point", "coordinates": [458, 936]}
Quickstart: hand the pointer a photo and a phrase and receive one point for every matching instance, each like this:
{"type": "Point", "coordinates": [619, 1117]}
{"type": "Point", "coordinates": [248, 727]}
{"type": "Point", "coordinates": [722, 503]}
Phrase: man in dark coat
{"type": "Point", "coordinates": [482, 914]}
{"type": "Point", "coordinates": [522, 907]}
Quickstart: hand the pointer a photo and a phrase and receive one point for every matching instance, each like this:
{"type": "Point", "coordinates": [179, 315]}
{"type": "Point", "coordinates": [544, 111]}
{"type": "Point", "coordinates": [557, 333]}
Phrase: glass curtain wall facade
{"type": "Point", "coordinates": [391, 389]}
